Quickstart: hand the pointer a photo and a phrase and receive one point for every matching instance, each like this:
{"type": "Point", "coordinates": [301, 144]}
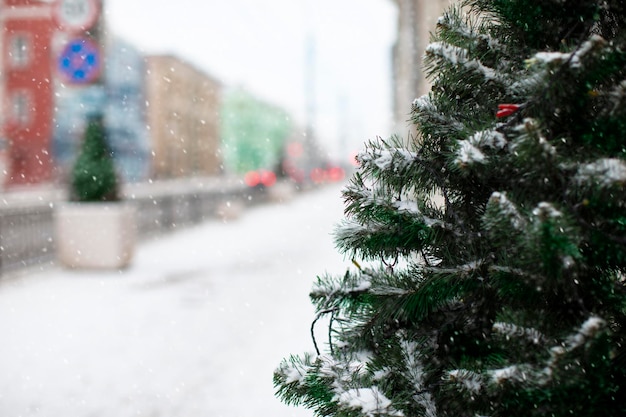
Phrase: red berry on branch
{"type": "Point", "coordinates": [505, 110]}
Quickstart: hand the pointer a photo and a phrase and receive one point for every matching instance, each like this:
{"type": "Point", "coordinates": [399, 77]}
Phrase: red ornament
{"type": "Point", "coordinates": [505, 110]}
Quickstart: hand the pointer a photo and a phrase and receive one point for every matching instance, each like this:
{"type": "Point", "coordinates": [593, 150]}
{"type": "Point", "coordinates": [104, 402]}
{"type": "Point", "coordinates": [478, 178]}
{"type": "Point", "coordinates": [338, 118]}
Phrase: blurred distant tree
{"type": "Point", "coordinates": [254, 132]}
{"type": "Point", "coordinates": [93, 176]}
{"type": "Point", "coordinates": [490, 253]}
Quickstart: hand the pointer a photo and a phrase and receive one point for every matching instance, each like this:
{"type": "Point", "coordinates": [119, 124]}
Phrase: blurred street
{"type": "Point", "coordinates": [195, 327]}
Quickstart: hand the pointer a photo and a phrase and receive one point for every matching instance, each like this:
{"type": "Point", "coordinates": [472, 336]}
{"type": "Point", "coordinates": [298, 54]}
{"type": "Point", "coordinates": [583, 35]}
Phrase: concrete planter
{"type": "Point", "coordinates": [95, 235]}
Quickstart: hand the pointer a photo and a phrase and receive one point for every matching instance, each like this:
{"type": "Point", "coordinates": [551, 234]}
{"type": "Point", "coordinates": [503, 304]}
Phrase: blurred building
{"type": "Point", "coordinates": [254, 132]}
{"type": "Point", "coordinates": [125, 109]}
{"type": "Point", "coordinates": [416, 21]}
{"type": "Point", "coordinates": [26, 107]}
{"type": "Point", "coordinates": [56, 67]}
{"type": "Point", "coordinates": [183, 106]}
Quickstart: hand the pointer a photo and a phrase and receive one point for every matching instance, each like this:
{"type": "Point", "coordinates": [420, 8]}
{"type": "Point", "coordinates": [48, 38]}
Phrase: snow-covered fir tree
{"type": "Point", "coordinates": [491, 249]}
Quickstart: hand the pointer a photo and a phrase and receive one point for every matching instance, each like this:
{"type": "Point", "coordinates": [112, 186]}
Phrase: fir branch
{"type": "Point", "coordinates": [469, 380]}
{"type": "Point", "coordinates": [415, 371]}
{"type": "Point", "coordinates": [457, 56]}
{"type": "Point", "coordinates": [476, 316]}
{"type": "Point", "coordinates": [439, 288]}
{"type": "Point", "coordinates": [431, 120]}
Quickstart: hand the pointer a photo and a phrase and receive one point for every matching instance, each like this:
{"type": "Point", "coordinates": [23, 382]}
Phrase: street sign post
{"type": "Point", "coordinates": [80, 61]}
{"type": "Point", "coordinates": [76, 15]}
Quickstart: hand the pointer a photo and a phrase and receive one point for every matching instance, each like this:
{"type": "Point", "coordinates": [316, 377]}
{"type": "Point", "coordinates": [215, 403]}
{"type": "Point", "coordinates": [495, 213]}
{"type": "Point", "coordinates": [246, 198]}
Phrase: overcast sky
{"type": "Point", "coordinates": [260, 45]}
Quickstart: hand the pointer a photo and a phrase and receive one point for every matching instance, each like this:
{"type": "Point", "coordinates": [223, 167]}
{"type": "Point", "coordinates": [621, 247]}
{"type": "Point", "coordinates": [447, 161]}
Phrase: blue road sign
{"type": "Point", "coordinates": [80, 61]}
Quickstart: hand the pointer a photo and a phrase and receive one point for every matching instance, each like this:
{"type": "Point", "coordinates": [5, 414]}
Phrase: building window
{"type": "Point", "coordinates": [19, 50]}
{"type": "Point", "coordinates": [20, 108]}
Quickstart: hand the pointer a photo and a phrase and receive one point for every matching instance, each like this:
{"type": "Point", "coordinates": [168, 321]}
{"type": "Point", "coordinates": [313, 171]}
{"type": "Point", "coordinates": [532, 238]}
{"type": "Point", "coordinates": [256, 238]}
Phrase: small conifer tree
{"type": "Point", "coordinates": [93, 176]}
{"type": "Point", "coordinates": [492, 248]}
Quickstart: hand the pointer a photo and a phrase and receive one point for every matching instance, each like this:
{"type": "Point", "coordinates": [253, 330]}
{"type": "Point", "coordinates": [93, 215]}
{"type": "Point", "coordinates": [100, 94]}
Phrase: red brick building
{"type": "Point", "coordinates": [44, 45]}
{"type": "Point", "coordinates": [26, 88]}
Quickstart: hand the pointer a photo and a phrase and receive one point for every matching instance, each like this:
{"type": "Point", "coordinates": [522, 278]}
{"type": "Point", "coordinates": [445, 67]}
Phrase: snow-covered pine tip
{"type": "Point", "coordinates": [573, 59]}
{"type": "Point", "coordinates": [604, 173]}
{"type": "Point", "coordinates": [457, 56]}
{"type": "Point", "coordinates": [506, 209]}
{"type": "Point", "coordinates": [371, 402]}
{"type": "Point", "coordinates": [470, 150]}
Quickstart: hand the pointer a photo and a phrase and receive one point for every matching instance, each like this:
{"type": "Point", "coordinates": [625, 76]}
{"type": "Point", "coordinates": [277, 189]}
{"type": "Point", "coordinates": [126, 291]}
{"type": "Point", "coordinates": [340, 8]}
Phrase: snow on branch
{"type": "Point", "coordinates": [506, 209]}
{"type": "Point", "coordinates": [524, 372]}
{"type": "Point", "coordinates": [470, 150]}
{"type": "Point", "coordinates": [471, 381]}
{"type": "Point", "coordinates": [464, 270]}
{"type": "Point", "coordinates": [513, 373]}
{"type": "Point", "coordinates": [407, 206]}
{"type": "Point", "coordinates": [457, 56]}
{"type": "Point", "coordinates": [332, 288]}
{"type": "Point", "coordinates": [468, 154]}
{"type": "Point", "coordinates": [376, 197]}
{"type": "Point", "coordinates": [347, 374]}
{"type": "Point", "coordinates": [605, 173]}
{"type": "Point", "coordinates": [510, 330]}
{"type": "Point", "coordinates": [373, 239]}
{"type": "Point", "coordinates": [426, 110]}
{"type": "Point", "coordinates": [526, 85]}
{"type": "Point", "coordinates": [516, 272]}
{"type": "Point", "coordinates": [423, 103]}
{"type": "Point", "coordinates": [391, 159]}
{"type": "Point", "coordinates": [545, 211]}
{"type": "Point", "coordinates": [489, 139]}
{"type": "Point", "coordinates": [588, 330]}
{"type": "Point", "coordinates": [467, 26]}
{"type": "Point", "coordinates": [531, 133]}
{"type": "Point", "coordinates": [294, 372]}
{"type": "Point", "coordinates": [618, 98]}
{"type": "Point", "coordinates": [415, 372]}
{"type": "Point", "coordinates": [573, 59]}
{"type": "Point", "coordinates": [370, 401]}
{"type": "Point", "coordinates": [344, 370]}
{"type": "Point", "coordinates": [347, 378]}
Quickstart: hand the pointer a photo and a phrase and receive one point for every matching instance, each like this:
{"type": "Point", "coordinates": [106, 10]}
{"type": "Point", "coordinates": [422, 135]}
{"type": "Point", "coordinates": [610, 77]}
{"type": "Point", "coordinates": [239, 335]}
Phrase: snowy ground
{"type": "Point", "coordinates": [194, 328]}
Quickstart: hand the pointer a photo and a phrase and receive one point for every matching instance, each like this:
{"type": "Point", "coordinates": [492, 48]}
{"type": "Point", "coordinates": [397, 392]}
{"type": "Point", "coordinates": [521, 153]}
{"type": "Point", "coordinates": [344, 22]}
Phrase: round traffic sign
{"type": "Point", "coordinates": [80, 61]}
{"type": "Point", "coordinates": [76, 15]}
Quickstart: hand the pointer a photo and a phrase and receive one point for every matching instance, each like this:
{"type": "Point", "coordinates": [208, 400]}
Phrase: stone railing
{"type": "Point", "coordinates": [27, 217]}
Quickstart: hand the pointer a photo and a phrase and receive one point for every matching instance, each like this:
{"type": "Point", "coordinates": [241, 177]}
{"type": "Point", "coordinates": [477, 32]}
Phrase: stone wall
{"type": "Point", "coordinates": [416, 21]}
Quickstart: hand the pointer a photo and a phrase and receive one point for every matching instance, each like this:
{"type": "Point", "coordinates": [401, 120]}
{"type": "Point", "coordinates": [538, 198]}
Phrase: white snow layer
{"type": "Point", "coordinates": [470, 152]}
{"type": "Point", "coordinates": [572, 58]}
{"type": "Point", "coordinates": [510, 330]}
{"type": "Point", "coordinates": [471, 381]}
{"type": "Point", "coordinates": [195, 327]}
{"type": "Point", "coordinates": [363, 285]}
{"type": "Point", "coordinates": [522, 372]}
{"type": "Point", "coordinates": [545, 211]}
{"type": "Point", "coordinates": [389, 159]}
{"type": "Point", "coordinates": [459, 56]}
{"type": "Point", "coordinates": [605, 172]}
{"type": "Point", "coordinates": [422, 102]}
{"type": "Point", "coordinates": [414, 369]}
{"type": "Point", "coordinates": [407, 206]}
{"type": "Point", "coordinates": [370, 401]}
{"type": "Point", "coordinates": [503, 375]}
{"type": "Point", "coordinates": [507, 209]}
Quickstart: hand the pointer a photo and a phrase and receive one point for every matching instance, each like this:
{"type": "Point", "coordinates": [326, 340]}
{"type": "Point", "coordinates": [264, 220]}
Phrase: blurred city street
{"type": "Point", "coordinates": [194, 327]}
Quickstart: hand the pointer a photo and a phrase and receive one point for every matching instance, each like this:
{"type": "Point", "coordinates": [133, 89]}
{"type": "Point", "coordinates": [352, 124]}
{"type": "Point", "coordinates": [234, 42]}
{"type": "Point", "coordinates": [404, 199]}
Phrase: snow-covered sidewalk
{"type": "Point", "coordinates": [194, 327]}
